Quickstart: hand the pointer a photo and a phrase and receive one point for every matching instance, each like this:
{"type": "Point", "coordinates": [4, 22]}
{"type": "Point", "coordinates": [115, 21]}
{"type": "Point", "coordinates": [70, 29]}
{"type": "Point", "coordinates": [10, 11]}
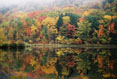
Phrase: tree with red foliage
{"type": "Point", "coordinates": [33, 14]}
{"type": "Point", "coordinates": [41, 35]}
{"type": "Point", "coordinates": [28, 59]}
{"type": "Point", "coordinates": [28, 31]}
{"type": "Point", "coordinates": [70, 30]}
{"type": "Point", "coordinates": [111, 64]}
{"type": "Point", "coordinates": [40, 19]}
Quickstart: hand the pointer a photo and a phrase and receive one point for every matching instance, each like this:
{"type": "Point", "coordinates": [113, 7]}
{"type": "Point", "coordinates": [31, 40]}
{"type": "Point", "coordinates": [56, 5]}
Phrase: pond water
{"type": "Point", "coordinates": [59, 63]}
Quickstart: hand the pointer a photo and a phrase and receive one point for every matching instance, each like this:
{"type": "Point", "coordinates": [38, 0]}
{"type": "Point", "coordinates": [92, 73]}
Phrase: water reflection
{"type": "Point", "coordinates": [59, 63]}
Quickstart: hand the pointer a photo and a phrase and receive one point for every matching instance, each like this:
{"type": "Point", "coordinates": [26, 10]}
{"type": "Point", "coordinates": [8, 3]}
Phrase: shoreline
{"type": "Point", "coordinates": [79, 46]}
{"type": "Point", "coordinates": [26, 45]}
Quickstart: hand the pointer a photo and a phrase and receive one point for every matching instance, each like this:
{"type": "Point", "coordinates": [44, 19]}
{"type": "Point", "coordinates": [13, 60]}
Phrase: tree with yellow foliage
{"type": "Point", "coordinates": [108, 17]}
{"type": "Point", "coordinates": [50, 24]}
{"type": "Point", "coordinates": [2, 35]}
{"type": "Point", "coordinates": [83, 30]}
{"type": "Point", "coordinates": [66, 19]}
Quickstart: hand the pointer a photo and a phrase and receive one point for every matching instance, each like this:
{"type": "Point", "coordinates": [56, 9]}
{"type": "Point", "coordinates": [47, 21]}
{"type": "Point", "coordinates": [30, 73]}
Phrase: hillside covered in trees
{"type": "Point", "coordinates": [61, 22]}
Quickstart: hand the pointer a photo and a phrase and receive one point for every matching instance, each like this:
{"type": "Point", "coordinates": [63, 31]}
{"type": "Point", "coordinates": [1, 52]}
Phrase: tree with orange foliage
{"type": "Point", "coordinates": [101, 31]}
{"type": "Point", "coordinates": [112, 28]}
{"type": "Point", "coordinates": [100, 61]}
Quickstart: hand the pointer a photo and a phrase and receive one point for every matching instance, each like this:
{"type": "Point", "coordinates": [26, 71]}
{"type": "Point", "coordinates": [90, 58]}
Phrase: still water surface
{"type": "Point", "coordinates": [59, 63]}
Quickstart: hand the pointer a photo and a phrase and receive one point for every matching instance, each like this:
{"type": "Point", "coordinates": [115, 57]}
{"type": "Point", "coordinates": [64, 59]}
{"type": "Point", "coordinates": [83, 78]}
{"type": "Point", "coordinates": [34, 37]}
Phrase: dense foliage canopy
{"type": "Point", "coordinates": [65, 23]}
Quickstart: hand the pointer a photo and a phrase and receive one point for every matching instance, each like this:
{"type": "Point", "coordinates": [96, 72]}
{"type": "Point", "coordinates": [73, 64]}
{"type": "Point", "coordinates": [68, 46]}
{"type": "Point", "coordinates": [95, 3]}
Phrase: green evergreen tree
{"type": "Point", "coordinates": [59, 22]}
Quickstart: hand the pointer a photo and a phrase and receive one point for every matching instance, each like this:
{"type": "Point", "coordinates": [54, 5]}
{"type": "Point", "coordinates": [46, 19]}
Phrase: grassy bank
{"type": "Point", "coordinates": [23, 45]}
{"type": "Point", "coordinates": [79, 46]}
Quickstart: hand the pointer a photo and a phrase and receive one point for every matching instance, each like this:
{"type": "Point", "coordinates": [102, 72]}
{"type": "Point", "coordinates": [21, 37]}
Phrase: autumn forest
{"type": "Point", "coordinates": [58, 39]}
{"type": "Point", "coordinates": [71, 22]}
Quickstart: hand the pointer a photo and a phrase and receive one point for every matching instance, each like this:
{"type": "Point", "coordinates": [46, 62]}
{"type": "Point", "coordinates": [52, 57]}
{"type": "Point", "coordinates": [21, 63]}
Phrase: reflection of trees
{"type": "Point", "coordinates": [62, 62]}
{"type": "Point", "coordinates": [83, 64]}
{"type": "Point", "coordinates": [94, 62]}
